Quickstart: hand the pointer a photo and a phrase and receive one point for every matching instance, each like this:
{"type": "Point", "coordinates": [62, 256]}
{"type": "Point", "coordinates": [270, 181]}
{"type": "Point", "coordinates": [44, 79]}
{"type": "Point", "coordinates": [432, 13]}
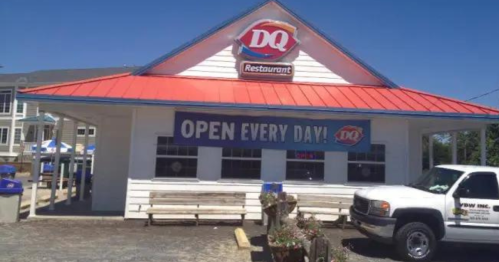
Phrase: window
{"type": "Point", "coordinates": [20, 108]}
{"type": "Point", "coordinates": [17, 136]}
{"type": "Point", "coordinates": [81, 131]}
{"type": "Point", "coordinates": [481, 186]}
{"type": "Point", "coordinates": [4, 134]}
{"type": "Point", "coordinates": [175, 161]}
{"type": "Point", "coordinates": [305, 165]}
{"type": "Point", "coordinates": [5, 100]}
{"type": "Point", "coordinates": [367, 167]}
{"type": "Point", "coordinates": [241, 163]}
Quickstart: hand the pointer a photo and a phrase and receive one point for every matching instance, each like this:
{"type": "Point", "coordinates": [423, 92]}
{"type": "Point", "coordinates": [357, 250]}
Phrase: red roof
{"type": "Point", "coordinates": [174, 90]}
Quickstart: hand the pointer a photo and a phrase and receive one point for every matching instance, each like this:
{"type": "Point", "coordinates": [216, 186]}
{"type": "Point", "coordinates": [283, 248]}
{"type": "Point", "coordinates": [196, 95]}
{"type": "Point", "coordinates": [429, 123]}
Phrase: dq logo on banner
{"type": "Point", "coordinates": [194, 129]}
{"type": "Point", "coordinates": [268, 40]}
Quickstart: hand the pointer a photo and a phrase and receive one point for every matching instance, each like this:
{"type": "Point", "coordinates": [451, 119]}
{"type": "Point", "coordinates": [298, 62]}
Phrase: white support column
{"type": "Point", "coordinates": [13, 121]}
{"type": "Point", "coordinates": [61, 180]}
{"type": "Point", "coordinates": [84, 165]}
{"type": "Point", "coordinates": [454, 147]}
{"type": "Point", "coordinates": [483, 146]}
{"type": "Point", "coordinates": [36, 168]}
{"type": "Point", "coordinates": [72, 164]}
{"type": "Point", "coordinates": [430, 148]}
{"type": "Point", "coordinates": [55, 174]}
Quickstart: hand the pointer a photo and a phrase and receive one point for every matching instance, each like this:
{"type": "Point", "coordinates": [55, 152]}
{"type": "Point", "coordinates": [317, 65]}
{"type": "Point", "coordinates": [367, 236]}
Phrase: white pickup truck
{"type": "Point", "coordinates": [450, 203]}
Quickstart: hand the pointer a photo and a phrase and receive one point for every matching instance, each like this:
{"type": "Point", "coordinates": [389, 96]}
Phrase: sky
{"type": "Point", "coordinates": [447, 47]}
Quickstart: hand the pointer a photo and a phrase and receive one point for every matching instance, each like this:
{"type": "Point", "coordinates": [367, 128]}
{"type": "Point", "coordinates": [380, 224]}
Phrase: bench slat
{"type": "Point", "coordinates": [324, 212]}
{"type": "Point", "coordinates": [324, 204]}
{"type": "Point", "coordinates": [179, 201]}
{"type": "Point", "coordinates": [324, 198]}
{"type": "Point", "coordinates": [175, 194]}
{"type": "Point", "coordinates": [177, 211]}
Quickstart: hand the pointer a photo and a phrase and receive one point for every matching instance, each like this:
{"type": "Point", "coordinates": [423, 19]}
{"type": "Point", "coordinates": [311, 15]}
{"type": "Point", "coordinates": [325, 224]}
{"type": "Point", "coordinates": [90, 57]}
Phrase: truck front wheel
{"type": "Point", "coordinates": [415, 241]}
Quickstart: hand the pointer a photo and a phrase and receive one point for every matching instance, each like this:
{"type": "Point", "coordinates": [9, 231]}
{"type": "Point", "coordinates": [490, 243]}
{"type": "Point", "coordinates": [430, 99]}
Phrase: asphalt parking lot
{"type": "Point", "coordinates": [76, 240]}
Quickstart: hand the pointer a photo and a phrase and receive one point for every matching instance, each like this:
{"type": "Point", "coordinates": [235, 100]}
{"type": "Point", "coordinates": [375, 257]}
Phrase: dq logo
{"type": "Point", "coordinates": [267, 39]}
{"type": "Point", "coordinates": [349, 135]}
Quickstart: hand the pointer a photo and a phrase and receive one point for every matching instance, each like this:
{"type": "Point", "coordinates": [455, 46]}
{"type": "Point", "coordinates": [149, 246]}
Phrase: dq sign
{"type": "Point", "coordinates": [349, 135]}
{"type": "Point", "coordinates": [268, 40]}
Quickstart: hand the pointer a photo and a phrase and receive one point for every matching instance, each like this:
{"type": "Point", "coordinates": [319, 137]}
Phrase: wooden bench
{"type": "Point", "coordinates": [47, 179]}
{"type": "Point", "coordinates": [195, 203]}
{"type": "Point", "coordinates": [325, 205]}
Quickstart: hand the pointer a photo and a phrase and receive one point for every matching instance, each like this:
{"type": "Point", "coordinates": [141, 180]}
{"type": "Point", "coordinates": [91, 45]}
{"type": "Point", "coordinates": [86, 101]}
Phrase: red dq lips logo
{"type": "Point", "coordinates": [267, 39]}
{"type": "Point", "coordinates": [349, 135]}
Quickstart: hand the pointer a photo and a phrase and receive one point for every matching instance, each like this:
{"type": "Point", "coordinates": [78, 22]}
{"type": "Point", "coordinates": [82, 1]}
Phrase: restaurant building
{"type": "Point", "coordinates": [264, 97]}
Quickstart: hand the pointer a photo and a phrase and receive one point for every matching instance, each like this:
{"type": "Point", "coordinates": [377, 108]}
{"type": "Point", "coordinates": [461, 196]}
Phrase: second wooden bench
{"type": "Point", "coordinates": [325, 205]}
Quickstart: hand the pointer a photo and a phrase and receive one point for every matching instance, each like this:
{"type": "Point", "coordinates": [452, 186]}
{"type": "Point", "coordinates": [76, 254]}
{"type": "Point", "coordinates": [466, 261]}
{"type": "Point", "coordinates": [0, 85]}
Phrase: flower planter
{"type": "Point", "coordinates": [271, 210]}
{"type": "Point", "coordinates": [287, 254]}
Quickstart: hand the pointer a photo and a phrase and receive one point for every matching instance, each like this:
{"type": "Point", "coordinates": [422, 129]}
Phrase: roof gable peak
{"type": "Point", "coordinates": [362, 66]}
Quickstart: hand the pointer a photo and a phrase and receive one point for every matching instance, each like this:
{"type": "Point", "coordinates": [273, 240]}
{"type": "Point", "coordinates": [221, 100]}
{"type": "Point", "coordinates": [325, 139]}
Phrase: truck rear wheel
{"type": "Point", "coordinates": [415, 241]}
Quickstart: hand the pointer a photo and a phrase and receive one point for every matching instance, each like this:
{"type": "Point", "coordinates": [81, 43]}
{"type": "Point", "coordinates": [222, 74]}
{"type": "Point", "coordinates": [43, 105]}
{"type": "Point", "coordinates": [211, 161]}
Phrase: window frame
{"type": "Point", "coordinates": [83, 128]}
{"type": "Point", "coordinates": [368, 162]}
{"type": "Point", "coordinates": [323, 161]}
{"type": "Point", "coordinates": [156, 156]}
{"type": "Point", "coordinates": [7, 135]}
{"type": "Point", "coordinates": [477, 173]}
{"type": "Point", "coordinates": [20, 135]}
{"type": "Point", "coordinates": [6, 92]}
{"type": "Point", "coordinates": [241, 159]}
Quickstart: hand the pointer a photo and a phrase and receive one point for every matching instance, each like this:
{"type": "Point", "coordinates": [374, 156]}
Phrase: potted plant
{"type": "Point", "coordinates": [286, 243]}
{"type": "Point", "coordinates": [311, 227]}
{"type": "Point", "coordinates": [269, 201]}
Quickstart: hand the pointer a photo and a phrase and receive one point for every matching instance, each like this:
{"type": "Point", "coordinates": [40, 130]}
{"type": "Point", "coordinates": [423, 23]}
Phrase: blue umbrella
{"type": "Point", "coordinates": [50, 146]}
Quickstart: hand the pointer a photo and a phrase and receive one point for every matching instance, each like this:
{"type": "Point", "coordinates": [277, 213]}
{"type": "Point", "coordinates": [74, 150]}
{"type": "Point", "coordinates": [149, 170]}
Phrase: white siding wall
{"type": "Point", "coordinates": [224, 64]}
{"type": "Point", "coordinates": [159, 121]}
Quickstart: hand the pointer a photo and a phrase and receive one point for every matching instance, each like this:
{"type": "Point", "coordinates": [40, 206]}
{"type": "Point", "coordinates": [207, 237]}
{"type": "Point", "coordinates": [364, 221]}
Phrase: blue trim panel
{"type": "Point", "coordinates": [198, 39]}
{"type": "Point", "coordinates": [122, 101]}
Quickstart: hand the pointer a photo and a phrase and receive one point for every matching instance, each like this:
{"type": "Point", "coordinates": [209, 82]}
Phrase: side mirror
{"type": "Point", "coordinates": [460, 192]}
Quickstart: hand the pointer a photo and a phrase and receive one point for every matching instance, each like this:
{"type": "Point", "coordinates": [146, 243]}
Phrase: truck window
{"type": "Point", "coordinates": [481, 185]}
{"type": "Point", "coordinates": [438, 180]}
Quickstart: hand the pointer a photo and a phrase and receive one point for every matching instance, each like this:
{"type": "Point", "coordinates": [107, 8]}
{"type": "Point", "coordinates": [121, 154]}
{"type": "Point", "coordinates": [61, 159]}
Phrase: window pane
{"type": "Point", "coordinates": [377, 154]}
{"type": "Point", "coordinates": [91, 131]}
{"type": "Point", "coordinates": [176, 167]}
{"type": "Point", "coordinates": [310, 155]}
{"type": "Point", "coordinates": [4, 135]}
{"type": "Point", "coordinates": [310, 171]}
{"type": "Point", "coordinates": [17, 136]}
{"type": "Point", "coordinates": [20, 108]}
{"type": "Point", "coordinates": [241, 169]}
{"type": "Point", "coordinates": [481, 186]}
{"type": "Point", "coordinates": [358, 172]}
{"type": "Point", "coordinates": [226, 152]}
{"type": "Point", "coordinates": [241, 152]}
{"type": "Point", "coordinates": [81, 131]}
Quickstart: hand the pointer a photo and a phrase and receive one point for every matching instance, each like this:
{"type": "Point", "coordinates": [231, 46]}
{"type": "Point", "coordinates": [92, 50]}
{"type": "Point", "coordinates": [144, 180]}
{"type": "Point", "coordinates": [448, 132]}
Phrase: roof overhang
{"type": "Point", "coordinates": [309, 109]}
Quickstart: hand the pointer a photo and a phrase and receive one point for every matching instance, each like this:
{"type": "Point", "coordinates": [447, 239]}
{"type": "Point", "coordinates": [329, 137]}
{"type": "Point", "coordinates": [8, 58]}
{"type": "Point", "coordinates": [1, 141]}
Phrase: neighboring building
{"type": "Point", "coordinates": [263, 97]}
{"type": "Point", "coordinates": [25, 133]}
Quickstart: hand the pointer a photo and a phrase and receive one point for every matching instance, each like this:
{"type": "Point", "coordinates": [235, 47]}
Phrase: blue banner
{"type": "Point", "coordinates": [195, 129]}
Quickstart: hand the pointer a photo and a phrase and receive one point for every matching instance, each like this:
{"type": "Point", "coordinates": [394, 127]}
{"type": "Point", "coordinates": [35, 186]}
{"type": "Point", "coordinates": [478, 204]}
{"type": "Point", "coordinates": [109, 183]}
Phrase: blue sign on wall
{"type": "Point", "coordinates": [195, 129]}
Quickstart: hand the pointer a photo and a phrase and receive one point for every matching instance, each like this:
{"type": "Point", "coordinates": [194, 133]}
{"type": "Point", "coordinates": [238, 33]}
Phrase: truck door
{"type": "Point", "coordinates": [472, 210]}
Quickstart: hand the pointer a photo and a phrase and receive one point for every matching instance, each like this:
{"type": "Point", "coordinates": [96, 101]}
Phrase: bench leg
{"type": "Point", "coordinates": [242, 220]}
{"type": "Point", "coordinates": [149, 220]}
{"type": "Point", "coordinates": [197, 219]}
{"type": "Point", "coordinates": [344, 218]}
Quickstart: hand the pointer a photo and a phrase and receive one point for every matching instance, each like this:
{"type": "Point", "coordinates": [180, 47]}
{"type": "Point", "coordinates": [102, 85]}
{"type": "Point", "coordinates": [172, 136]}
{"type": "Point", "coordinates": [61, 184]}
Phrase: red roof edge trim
{"type": "Point", "coordinates": [451, 99]}
{"type": "Point", "coordinates": [84, 81]}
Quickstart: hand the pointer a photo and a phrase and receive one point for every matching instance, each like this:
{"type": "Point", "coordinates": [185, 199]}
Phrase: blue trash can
{"type": "Point", "coordinates": [10, 200]}
{"type": "Point", "coordinates": [7, 171]}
